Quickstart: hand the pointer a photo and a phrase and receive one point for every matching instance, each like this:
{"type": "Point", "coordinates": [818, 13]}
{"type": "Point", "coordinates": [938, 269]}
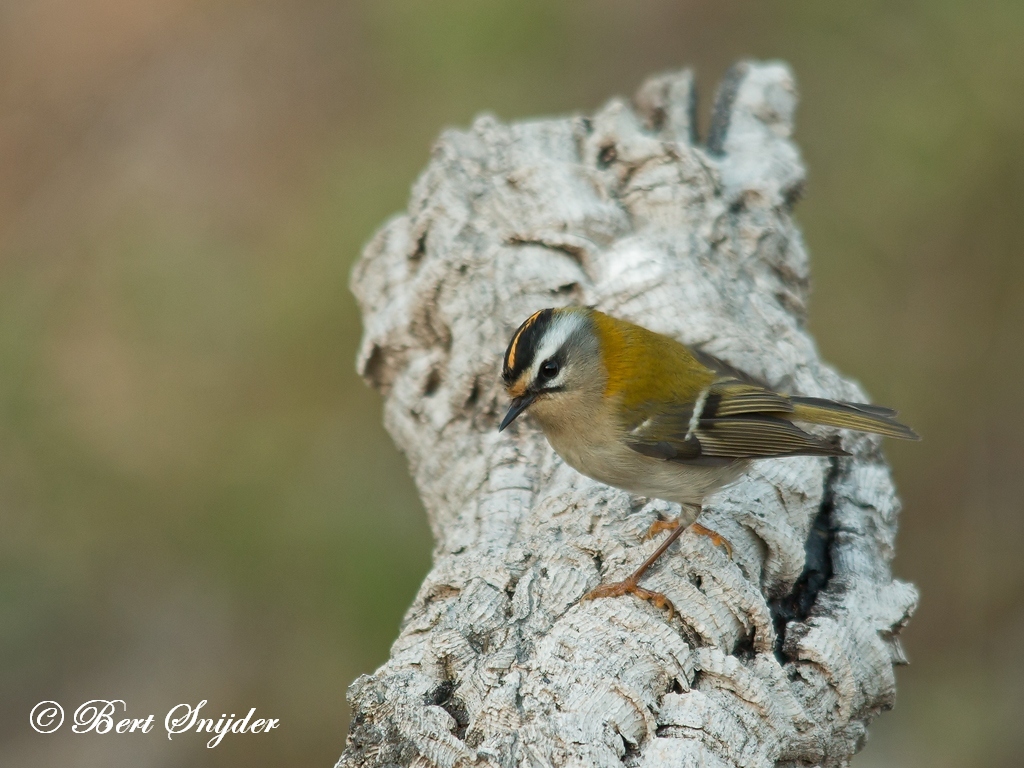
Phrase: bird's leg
{"type": "Point", "coordinates": [670, 525]}
{"type": "Point", "coordinates": [629, 586]}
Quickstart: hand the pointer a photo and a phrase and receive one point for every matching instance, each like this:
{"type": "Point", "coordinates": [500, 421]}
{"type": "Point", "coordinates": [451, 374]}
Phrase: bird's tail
{"type": "Point", "coordinates": [862, 417]}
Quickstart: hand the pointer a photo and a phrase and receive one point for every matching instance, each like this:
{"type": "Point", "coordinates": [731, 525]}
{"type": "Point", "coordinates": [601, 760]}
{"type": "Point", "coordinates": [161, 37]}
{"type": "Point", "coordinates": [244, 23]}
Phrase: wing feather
{"type": "Point", "coordinates": [731, 397]}
{"type": "Point", "coordinates": [759, 436]}
{"type": "Point", "coordinates": [739, 419]}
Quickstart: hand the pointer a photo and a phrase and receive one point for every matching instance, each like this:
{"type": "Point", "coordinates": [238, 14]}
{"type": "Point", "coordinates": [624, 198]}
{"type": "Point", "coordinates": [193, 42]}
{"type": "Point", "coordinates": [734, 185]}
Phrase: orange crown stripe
{"type": "Point", "coordinates": [515, 339]}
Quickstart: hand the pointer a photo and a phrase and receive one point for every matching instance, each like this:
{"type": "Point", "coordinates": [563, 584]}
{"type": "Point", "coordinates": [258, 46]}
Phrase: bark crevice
{"type": "Point", "coordinates": [798, 604]}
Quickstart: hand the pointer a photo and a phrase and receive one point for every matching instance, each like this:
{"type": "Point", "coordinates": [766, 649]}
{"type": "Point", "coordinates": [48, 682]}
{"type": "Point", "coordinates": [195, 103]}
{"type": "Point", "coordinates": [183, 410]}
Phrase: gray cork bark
{"type": "Point", "coordinates": [781, 655]}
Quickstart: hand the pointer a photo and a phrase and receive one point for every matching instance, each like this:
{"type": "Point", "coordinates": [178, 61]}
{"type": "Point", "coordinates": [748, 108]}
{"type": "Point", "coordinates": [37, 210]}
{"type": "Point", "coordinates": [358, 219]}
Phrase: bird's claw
{"type": "Point", "coordinates": [661, 525]}
{"type": "Point", "coordinates": [716, 538]}
{"type": "Point", "coordinates": [630, 587]}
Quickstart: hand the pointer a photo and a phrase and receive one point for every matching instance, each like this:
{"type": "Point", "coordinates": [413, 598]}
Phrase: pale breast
{"type": "Point", "coordinates": [614, 463]}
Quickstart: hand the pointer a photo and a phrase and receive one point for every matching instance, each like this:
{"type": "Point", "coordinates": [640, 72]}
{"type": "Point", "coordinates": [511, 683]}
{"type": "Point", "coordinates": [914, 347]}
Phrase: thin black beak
{"type": "Point", "coordinates": [519, 404]}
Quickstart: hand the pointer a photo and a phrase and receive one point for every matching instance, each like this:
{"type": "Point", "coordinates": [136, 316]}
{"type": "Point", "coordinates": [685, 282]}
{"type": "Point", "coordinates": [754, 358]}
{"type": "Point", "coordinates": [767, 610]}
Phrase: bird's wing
{"type": "Point", "coordinates": [731, 419]}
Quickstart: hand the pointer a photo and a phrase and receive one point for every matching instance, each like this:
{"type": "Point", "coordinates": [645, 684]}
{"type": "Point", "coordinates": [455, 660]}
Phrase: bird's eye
{"type": "Point", "coordinates": [548, 369]}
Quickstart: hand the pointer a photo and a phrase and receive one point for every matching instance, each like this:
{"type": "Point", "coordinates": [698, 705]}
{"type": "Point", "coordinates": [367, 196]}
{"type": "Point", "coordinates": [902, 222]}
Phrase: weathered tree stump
{"type": "Point", "coordinates": [781, 655]}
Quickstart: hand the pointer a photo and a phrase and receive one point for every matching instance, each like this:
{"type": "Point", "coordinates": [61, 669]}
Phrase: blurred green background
{"type": "Point", "coordinates": [197, 499]}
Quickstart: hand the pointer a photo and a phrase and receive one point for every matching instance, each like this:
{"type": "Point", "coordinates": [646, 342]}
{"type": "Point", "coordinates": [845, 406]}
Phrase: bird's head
{"type": "Point", "coordinates": [552, 365]}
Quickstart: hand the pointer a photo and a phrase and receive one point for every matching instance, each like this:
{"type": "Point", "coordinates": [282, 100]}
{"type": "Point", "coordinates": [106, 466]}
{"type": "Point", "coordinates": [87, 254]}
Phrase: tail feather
{"type": "Point", "coordinates": [858, 416]}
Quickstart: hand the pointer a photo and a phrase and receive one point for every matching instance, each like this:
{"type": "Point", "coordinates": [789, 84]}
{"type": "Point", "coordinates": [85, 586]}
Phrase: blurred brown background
{"type": "Point", "coordinates": [197, 500]}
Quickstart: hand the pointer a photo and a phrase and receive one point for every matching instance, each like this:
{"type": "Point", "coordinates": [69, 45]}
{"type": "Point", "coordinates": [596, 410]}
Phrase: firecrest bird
{"type": "Point", "coordinates": [642, 412]}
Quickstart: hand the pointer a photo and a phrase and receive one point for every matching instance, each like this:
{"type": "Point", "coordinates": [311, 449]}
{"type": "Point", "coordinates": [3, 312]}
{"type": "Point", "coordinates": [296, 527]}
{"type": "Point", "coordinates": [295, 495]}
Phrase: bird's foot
{"type": "Point", "coordinates": [630, 587]}
{"type": "Point", "coordinates": [716, 538]}
{"type": "Point", "coordinates": [661, 525]}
